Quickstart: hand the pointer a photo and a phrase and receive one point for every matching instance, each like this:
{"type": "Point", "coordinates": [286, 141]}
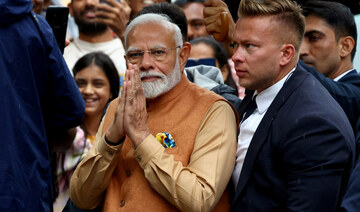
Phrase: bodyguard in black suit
{"type": "Point", "coordinates": [301, 144]}
{"type": "Point", "coordinates": [351, 201]}
{"type": "Point", "coordinates": [329, 46]}
{"type": "Point", "coordinates": [346, 91]}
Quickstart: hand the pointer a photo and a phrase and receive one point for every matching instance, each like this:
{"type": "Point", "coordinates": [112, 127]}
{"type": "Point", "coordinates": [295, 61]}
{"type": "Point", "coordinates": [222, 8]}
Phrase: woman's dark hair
{"type": "Point", "coordinates": [219, 51]}
{"type": "Point", "coordinates": [220, 54]}
{"type": "Point", "coordinates": [105, 63]}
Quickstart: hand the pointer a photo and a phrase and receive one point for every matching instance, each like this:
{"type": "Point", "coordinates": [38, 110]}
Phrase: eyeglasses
{"type": "Point", "coordinates": [157, 54]}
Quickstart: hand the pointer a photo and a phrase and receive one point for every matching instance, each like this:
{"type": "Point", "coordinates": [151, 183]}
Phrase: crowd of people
{"type": "Point", "coordinates": [185, 105]}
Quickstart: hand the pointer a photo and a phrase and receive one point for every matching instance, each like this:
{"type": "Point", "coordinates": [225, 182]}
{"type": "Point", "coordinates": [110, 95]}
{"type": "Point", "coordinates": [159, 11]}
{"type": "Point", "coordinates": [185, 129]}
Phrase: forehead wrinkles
{"type": "Point", "coordinates": [156, 46]}
{"type": "Point", "coordinates": [149, 36]}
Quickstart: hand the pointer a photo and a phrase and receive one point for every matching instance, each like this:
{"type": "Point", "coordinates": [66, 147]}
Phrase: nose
{"type": "Point", "coordinates": [88, 89]}
{"type": "Point", "coordinates": [304, 48]}
{"type": "Point", "coordinates": [238, 56]}
{"type": "Point", "coordinates": [92, 3]}
{"type": "Point", "coordinates": [190, 32]}
{"type": "Point", "coordinates": [146, 63]}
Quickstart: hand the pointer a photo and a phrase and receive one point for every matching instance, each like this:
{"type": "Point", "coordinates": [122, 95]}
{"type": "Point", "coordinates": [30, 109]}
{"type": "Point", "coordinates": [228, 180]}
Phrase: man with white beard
{"type": "Point", "coordinates": [165, 144]}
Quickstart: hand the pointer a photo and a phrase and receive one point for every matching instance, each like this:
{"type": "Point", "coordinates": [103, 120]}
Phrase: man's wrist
{"type": "Point", "coordinates": [111, 143]}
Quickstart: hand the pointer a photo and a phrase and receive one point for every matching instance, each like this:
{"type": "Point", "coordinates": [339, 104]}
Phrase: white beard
{"type": "Point", "coordinates": [162, 85]}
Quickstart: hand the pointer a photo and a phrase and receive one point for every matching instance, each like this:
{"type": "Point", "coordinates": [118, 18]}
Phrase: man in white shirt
{"type": "Point", "coordinates": [329, 46]}
{"type": "Point", "coordinates": [97, 22]}
{"type": "Point", "coordinates": [291, 155]}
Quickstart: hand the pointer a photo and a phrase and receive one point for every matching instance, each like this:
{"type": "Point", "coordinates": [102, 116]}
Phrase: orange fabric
{"type": "Point", "coordinates": [178, 112]}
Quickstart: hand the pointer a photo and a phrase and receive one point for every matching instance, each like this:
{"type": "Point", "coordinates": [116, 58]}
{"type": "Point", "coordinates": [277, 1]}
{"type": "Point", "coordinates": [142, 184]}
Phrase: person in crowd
{"type": "Point", "coordinates": [158, 149]}
{"type": "Point", "coordinates": [40, 107]}
{"type": "Point", "coordinates": [329, 47]}
{"type": "Point", "coordinates": [38, 6]}
{"type": "Point", "coordinates": [207, 47]}
{"type": "Point", "coordinates": [203, 75]}
{"type": "Point", "coordinates": [219, 28]}
{"type": "Point", "coordinates": [98, 82]}
{"type": "Point", "coordinates": [214, 24]}
{"type": "Point", "coordinates": [193, 10]}
{"type": "Point", "coordinates": [296, 146]}
{"type": "Point", "coordinates": [96, 23]}
{"type": "Point", "coordinates": [351, 201]}
{"type": "Point", "coordinates": [137, 5]}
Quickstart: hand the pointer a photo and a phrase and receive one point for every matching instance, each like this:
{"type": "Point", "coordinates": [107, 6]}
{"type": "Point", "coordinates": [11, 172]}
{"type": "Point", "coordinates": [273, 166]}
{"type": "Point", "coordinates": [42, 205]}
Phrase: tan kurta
{"type": "Point", "coordinates": [190, 177]}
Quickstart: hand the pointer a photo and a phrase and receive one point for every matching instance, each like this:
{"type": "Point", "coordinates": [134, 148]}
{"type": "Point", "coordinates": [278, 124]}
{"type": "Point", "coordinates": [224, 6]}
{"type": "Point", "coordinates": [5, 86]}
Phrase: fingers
{"type": "Point", "coordinates": [135, 116]}
{"type": "Point", "coordinates": [212, 19]}
{"type": "Point", "coordinates": [213, 3]}
{"type": "Point", "coordinates": [224, 28]}
{"type": "Point", "coordinates": [114, 14]}
{"type": "Point", "coordinates": [67, 42]}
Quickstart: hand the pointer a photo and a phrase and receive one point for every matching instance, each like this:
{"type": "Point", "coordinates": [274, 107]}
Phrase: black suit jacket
{"type": "Point", "coordinates": [346, 92]}
{"type": "Point", "coordinates": [301, 154]}
{"type": "Point", "coordinates": [351, 201]}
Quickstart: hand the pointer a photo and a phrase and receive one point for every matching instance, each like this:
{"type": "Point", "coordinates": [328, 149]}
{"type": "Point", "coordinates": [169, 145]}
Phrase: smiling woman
{"type": "Point", "coordinates": [98, 82]}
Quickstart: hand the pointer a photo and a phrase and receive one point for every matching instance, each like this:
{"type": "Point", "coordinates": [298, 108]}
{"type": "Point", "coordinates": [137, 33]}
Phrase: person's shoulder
{"type": "Point", "coordinates": [42, 23]}
{"type": "Point", "coordinates": [73, 46]}
{"type": "Point", "coordinates": [351, 77]}
{"type": "Point", "coordinates": [114, 46]}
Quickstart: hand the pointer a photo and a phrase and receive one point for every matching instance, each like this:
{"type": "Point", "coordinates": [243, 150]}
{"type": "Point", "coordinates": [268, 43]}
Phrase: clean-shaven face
{"type": "Point", "coordinates": [94, 87]}
{"type": "Point", "coordinates": [257, 52]}
{"type": "Point", "coordinates": [319, 48]}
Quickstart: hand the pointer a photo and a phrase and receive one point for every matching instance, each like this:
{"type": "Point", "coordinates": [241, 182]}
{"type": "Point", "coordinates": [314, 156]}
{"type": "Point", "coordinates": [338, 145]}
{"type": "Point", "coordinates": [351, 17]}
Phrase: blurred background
{"type": "Point", "coordinates": [354, 5]}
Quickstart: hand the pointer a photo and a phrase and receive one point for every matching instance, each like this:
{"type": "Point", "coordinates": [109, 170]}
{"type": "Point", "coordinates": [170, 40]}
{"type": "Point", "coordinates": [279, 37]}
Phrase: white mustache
{"type": "Point", "coordinates": [152, 74]}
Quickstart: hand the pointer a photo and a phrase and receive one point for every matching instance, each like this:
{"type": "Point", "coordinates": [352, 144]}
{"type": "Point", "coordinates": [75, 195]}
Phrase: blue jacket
{"type": "Point", "coordinates": [37, 94]}
{"type": "Point", "coordinates": [346, 92]}
{"type": "Point", "coordinates": [301, 154]}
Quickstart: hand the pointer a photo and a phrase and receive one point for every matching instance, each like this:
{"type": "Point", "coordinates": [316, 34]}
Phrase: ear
{"type": "Point", "coordinates": [287, 54]}
{"type": "Point", "coordinates": [184, 55]}
{"type": "Point", "coordinates": [70, 9]}
{"type": "Point", "coordinates": [346, 45]}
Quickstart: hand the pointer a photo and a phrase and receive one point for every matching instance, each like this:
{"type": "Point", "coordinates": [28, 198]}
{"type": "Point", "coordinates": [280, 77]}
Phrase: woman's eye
{"type": "Point", "coordinates": [81, 83]}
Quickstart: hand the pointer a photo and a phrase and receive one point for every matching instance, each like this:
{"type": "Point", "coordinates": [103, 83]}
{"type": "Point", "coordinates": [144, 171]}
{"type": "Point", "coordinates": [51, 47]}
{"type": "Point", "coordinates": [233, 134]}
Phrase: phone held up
{"type": "Point", "coordinates": [57, 17]}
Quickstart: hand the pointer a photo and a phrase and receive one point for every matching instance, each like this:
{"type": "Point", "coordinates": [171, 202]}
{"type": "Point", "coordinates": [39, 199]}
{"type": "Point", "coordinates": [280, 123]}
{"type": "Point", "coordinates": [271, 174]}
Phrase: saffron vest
{"type": "Point", "coordinates": [178, 112]}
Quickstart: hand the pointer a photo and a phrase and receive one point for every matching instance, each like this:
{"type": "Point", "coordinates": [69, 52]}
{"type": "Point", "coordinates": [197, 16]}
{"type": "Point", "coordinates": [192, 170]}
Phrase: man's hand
{"type": "Point", "coordinates": [135, 116]}
{"type": "Point", "coordinates": [114, 14]}
{"type": "Point", "coordinates": [116, 130]}
{"type": "Point", "coordinates": [213, 21]}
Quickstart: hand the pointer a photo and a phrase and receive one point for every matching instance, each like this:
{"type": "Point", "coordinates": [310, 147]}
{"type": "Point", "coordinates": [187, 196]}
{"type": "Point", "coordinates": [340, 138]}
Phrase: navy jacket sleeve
{"type": "Point", "coordinates": [346, 91]}
{"type": "Point", "coordinates": [64, 106]}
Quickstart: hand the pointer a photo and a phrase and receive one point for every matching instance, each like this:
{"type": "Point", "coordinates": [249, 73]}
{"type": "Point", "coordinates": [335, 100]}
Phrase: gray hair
{"type": "Point", "coordinates": [160, 19]}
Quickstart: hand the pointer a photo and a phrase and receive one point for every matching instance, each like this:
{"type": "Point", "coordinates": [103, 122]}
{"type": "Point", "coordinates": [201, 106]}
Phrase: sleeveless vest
{"type": "Point", "coordinates": [178, 112]}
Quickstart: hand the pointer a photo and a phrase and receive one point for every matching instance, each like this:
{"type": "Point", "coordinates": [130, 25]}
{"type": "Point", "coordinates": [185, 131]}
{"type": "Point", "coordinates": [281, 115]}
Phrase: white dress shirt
{"type": "Point", "coordinates": [249, 126]}
{"type": "Point", "coordinates": [341, 76]}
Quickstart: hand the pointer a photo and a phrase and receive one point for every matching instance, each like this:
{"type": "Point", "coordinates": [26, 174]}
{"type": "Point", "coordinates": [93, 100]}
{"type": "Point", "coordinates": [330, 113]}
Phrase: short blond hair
{"type": "Point", "coordinates": [286, 12]}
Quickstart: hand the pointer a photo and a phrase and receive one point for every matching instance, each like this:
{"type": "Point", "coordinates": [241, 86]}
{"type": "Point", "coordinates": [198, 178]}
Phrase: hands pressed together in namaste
{"type": "Point", "coordinates": [131, 115]}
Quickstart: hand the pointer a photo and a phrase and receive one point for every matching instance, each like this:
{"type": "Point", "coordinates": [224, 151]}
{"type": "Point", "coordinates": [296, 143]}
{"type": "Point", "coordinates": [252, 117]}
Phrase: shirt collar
{"type": "Point", "coordinates": [343, 74]}
{"type": "Point", "coordinates": [267, 96]}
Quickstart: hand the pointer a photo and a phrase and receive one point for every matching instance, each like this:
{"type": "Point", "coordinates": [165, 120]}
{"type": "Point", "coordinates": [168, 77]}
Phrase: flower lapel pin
{"type": "Point", "coordinates": [166, 140]}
